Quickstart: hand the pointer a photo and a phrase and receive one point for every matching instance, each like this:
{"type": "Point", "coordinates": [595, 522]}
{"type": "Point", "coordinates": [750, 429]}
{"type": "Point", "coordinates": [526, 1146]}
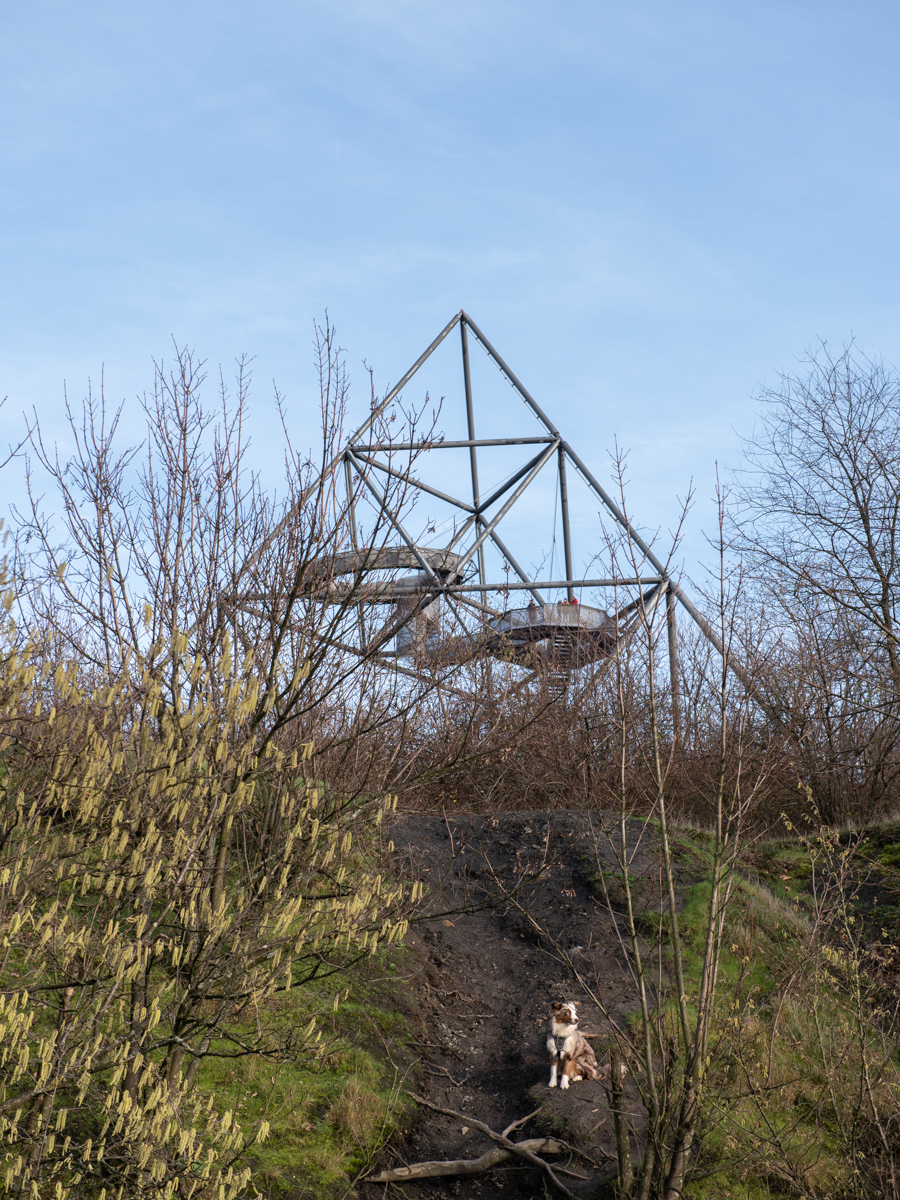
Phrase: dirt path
{"type": "Point", "coordinates": [484, 986]}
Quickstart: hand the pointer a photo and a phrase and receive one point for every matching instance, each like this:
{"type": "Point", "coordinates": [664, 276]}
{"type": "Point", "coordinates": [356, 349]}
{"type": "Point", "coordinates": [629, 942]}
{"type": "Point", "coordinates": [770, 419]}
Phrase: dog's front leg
{"type": "Point", "coordinates": [553, 1074]}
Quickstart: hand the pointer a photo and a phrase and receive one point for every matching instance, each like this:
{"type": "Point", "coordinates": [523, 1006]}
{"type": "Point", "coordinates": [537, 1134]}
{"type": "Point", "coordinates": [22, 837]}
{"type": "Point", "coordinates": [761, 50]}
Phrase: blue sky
{"type": "Point", "coordinates": [649, 208]}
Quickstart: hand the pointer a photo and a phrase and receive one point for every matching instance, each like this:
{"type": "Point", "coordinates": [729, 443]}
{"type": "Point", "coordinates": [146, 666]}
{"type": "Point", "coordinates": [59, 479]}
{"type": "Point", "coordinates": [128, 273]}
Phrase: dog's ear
{"type": "Point", "coordinates": [557, 1006]}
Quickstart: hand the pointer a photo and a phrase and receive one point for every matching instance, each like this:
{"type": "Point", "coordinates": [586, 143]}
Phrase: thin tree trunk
{"type": "Point", "coordinates": [620, 1120]}
{"type": "Point", "coordinates": [684, 1140]}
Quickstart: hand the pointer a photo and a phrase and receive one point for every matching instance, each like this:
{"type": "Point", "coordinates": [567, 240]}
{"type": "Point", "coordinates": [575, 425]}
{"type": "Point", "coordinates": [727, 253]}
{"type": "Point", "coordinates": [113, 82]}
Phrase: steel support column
{"type": "Point", "coordinates": [470, 420]}
{"type": "Point", "coordinates": [564, 506]}
{"type": "Point", "coordinates": [674, 672]}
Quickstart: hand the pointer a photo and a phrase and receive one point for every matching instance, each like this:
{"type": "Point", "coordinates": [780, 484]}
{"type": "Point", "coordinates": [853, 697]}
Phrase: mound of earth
{"type": "Point", "coordinates": [515, 918]}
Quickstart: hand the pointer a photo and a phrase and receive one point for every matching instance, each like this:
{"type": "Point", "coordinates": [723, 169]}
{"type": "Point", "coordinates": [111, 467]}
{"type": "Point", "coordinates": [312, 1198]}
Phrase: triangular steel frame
{"type": "Point", "coordinates": [357, 459]}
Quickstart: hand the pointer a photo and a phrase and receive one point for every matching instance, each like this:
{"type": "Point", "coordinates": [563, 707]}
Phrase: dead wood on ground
{"type": "Point", "coordinates": [466, 1166]}
{"type": "Point", "coordinates": [505, 1149]}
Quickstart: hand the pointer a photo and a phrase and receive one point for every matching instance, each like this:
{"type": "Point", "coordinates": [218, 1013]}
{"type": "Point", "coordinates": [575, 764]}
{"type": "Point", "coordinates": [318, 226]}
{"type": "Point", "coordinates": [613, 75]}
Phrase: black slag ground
{"type": "Point", "coordinates": [509, 898]}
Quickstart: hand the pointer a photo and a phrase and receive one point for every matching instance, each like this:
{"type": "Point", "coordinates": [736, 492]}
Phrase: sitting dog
{"type": "Point", "coordinates": [569, 1049]}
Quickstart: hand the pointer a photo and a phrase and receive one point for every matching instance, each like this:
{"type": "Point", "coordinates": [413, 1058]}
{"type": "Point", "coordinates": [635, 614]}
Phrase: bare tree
{"type": "Point", "coordinates": [819, 515]}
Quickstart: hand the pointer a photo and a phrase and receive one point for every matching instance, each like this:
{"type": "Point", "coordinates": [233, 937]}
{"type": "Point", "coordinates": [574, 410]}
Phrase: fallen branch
{"type": "Point", "coordinates": [465, 1166]}
{"type": "Point", "coordinates": [518, 1148]}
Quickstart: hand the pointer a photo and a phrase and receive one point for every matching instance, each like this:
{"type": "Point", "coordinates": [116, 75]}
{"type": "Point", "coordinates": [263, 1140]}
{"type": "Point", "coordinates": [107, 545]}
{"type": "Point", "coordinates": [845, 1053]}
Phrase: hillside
{"type": "Point", "coordinates": [483, 980]}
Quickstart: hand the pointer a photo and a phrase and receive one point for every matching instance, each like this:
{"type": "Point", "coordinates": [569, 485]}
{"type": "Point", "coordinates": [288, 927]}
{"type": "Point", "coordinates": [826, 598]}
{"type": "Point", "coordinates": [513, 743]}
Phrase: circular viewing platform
{"type": "Point", "coordinates": [565, 635]}
{"type": "Point", "coordinates": [552, 635]}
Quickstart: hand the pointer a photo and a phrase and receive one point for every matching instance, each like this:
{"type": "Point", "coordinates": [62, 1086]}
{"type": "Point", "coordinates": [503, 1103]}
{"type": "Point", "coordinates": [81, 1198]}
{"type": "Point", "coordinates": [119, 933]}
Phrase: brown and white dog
{"type": "Point", "coordinates": [569, 1050]}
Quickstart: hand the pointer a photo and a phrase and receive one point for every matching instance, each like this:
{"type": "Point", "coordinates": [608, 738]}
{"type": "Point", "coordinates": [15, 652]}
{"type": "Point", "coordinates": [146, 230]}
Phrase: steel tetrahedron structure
{"type": "Point", "coordinates": [447, 577]}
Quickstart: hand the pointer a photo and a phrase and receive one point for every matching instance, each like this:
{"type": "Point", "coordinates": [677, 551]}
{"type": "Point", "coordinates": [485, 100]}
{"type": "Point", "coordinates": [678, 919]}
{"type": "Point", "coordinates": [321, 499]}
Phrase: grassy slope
{"type": "Point", "coordinates": [782, 1104]}
{"type": "Point", "coordinates": [328, 1112]}
{"type": "Point", "coordinates": [775, 1098]}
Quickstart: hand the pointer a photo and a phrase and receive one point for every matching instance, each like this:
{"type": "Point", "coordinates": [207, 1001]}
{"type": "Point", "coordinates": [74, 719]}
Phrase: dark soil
{"type": "Point", "coordinates": [509, 897]}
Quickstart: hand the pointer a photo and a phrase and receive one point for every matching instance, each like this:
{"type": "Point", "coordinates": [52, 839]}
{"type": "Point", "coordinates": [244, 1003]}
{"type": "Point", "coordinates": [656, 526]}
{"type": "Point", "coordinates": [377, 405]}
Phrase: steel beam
{"type": "Point", "coordinates": [395, 521]}
{"type": "Point", "coordinates": [564, 505]}
{"type": "Point", "coordinates": [674, 672]}
{"type": "Point", "coordinates": [398, 387]}
{"type": "Point", "coordinates": [624, 636]}
{"type": "Point", "coordinates": [538, 461]}
{"type": "Point", "coordinates": [507, 554]}
{"type": "Point", "coordinates": [511, 376]}
{"type": "Point", "coordinates": [354, 539]}
{"type": "Point", "coordinates": [457, 445]}
{"type": "Point", "coordinates": [470, 421]}
{"type": "Point", "coordinates": [417, 484]}
{"type": "Point", "coordinates": [453, 588]}
{"type": "Point", "coordinates": [351, 506]}
{"type": "Point", "coordinates": [734, 664]}
{"type": "Point", "coordinates": [390, 591]}
{"type": "Point", "coordinates": [495, 496]}
{"type": "Point", "coordinates": [607, 500]}
{"type": "Point", "coordinates": [486, 532]}
{"type": "Point", "coordinates": [613, 508]}
{"type": "Point", "coordinates": [376, 412]}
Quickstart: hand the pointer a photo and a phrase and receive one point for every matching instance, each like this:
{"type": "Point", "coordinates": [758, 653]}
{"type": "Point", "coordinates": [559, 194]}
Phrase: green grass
{"type": "Point", "coordinates": [765, 935]}
{"type": "Point", "coordinates": [722, 1186]}
{"type": "Point", "coordinates": [781, 1095]}
{"type": "Point", "coordinates": [329, 1109]}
